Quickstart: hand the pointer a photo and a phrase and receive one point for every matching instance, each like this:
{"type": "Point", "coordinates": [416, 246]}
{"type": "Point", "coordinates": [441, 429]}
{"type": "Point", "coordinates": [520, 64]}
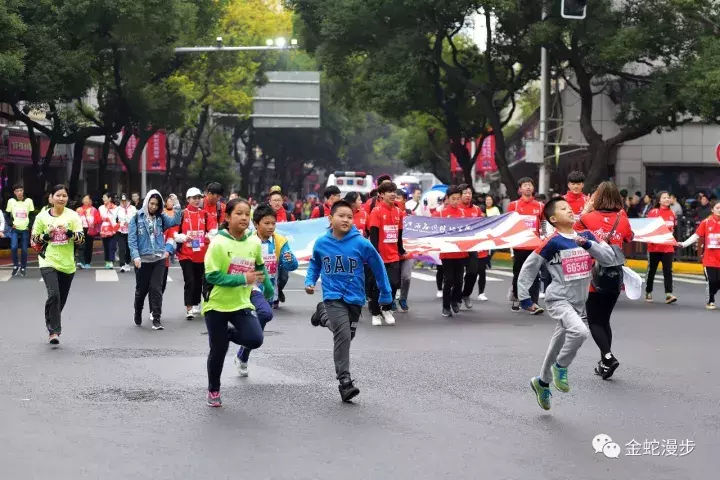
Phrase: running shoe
{"type": "Point", "coordinates": [23, 272]}
{"type": "Point", "coordinates": [54, 339]}
{"type": "Point", "coordinates": [482, 297]}
{"type": "Point", "coordinates": [537, 310]}
{"type": "Point", "coordinates": [108, 265]}
{"type": "Point", "coordinates": [468, 303]}
{"type": "Point", "coordinates": [560, 378]}
{"type": "Point", "coordinates": [388, 316]}
{"type": "Point", "coordinates": [600, 368]}
{"type": "Point", "coordinates": [515, 306]}
{"type": "Point", "coordinates": [403, 306]}
{"type": "Point", "coordinates": [79, 265]}
{"type": "Point", "coordinates": [609, 366]}
{"type": "Point", "coordinates": [156, 325]}
{"type": "Point", "coordinates": [439, 294]}
{"type": "Point", "coordinates": [315, 319]}
{"type": "Point", "coordinates": [348, 391]}
{"type": "Point", "coordinates": [541, 295]}
{"type": "Point", "coordinates": [455, 307]}
{"type": "Point", "coordinates": [189, 314]}
{"type": "Point", "coordinates": [711, 306]}
{"type": "Point", "coordinates": [242, 367]}
{"type": "Point", "coordinates": [196, 309]}
{"type": "Point", "coordinates": [446, 312]}
{"type": "Point", "coordinates": [213, 399]}
{"type": "Point", "coordinates": [393, 306]}
{"type": "Point", "coordinates": [15, 271]}
{"type": "Point", "coordinates": [648, 297]}
{"type": "Point", "coordinates": [281, 296]}
{"type": "Point", "coordinates": [669, 297]}
{"type": "Point", "coordinates": [138, 318]}
{"type": "Point", "coordinates": [377, 320]}
{"type": "Point", "coordinates": [543, 394]}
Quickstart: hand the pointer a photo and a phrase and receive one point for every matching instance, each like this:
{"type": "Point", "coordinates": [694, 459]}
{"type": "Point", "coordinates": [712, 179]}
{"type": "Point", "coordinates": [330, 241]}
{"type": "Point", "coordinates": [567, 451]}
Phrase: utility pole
{"type": "Point", "coordinates": [544, 87]}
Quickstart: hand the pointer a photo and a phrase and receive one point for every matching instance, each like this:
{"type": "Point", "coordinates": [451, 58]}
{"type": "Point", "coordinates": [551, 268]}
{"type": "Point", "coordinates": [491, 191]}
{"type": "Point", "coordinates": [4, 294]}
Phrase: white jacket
{"type": "Point", "coordinates": [124, 215]}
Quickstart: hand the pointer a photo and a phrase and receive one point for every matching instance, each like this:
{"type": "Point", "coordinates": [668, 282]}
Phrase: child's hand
{"type": "Point", "coordinates": [580, 240]}
{"type": "Point", "coordinates": [287, 256]}
{"type": "Point", "coordinates": [309, 290]}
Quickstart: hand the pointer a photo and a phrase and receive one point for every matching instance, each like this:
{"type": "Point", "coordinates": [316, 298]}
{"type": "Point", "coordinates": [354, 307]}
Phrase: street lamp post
{"type": "Point", "coordinates": [276, 44]}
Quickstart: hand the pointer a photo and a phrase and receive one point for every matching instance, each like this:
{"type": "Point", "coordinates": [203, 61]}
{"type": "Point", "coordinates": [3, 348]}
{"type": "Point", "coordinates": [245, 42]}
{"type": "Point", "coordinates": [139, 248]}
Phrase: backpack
{"type": "Point", "coordinates": [323, 213]}
{"type": "Point", "coordinates": [608, 279]}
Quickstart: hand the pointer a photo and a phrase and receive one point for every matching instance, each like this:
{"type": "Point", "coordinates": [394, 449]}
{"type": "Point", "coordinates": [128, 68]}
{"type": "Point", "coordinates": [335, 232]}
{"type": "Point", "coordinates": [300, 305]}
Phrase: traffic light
{"type": "Point", "coordinates": [575, 9]}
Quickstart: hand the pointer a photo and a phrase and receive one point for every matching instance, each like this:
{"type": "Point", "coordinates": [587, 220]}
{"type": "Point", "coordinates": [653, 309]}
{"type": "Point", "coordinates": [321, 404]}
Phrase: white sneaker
{"type": "Point", "coordinates": [196, 309]}
{"type": "Point", "coordinates": [388, 316]}
{"type": "Point", "coordinates": [189, 314]}
{"type": "Point", "coordinates": [377, 320]}
{"type": "Point", "coordinates": [542, 295]}
{"type": "Point", "coordinates": [482, 297]}
{"type": "Point", "coordinates": [439, 294]}
{"type": "Point", "coordinates": [242, 368]}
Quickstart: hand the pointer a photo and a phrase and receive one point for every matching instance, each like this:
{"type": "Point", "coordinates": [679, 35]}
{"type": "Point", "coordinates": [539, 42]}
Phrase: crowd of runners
{"type": "Point", "coordinates": [235, 265]}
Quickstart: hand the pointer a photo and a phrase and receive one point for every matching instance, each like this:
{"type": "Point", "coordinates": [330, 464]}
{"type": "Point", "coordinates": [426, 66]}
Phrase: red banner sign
{"type": "Point", "coordinates": [486, 158]}
{"type": "Point", "coordinates": [155, 152]}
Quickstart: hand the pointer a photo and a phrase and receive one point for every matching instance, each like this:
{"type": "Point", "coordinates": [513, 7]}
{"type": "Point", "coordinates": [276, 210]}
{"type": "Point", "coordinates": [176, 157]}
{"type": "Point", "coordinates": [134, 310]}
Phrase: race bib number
{"type": "Point", "coordinates": [240, 266]}
{"type": "Point", "coordinates": [197, 240]}
{"type": "Point", "coordinates": [530, 221]}
{"type": "Point", "coordinates": [576, 264]}
{"type": "Point", "coordinates": [670, 224]}
{"type": "Point", "coordinates": [58, 237]}
{"type": "Point", "coordinates": [391, 233]}
{"type": "Point", "coordinates": [713, 242]}
{"type": "Point", "coordinates": [21, 214]}
{"type": "Point", "coordinates": [124, 228]}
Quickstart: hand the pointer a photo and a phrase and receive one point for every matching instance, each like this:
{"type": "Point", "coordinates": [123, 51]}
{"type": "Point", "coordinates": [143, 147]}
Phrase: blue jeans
{"type": "Point", "coordinates": [19, 239]}
{"type": "Point", "coordinates": [246, 331]}
{"type": "Point", "coordinates": [264, 315]}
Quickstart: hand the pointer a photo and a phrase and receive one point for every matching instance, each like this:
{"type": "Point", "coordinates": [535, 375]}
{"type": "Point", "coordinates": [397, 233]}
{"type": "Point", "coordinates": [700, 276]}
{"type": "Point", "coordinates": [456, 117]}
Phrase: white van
{"type": "Point", "coordinates": [412, 180]}
{"type": "Point", "coordinates": [348, 182]}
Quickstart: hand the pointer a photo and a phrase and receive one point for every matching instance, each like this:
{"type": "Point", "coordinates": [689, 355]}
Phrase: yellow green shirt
{"type": "Point", "coordinates": [20, 212]}
{"type": "Point", "coordinates": [60, 253]}
{"type": "Point", "coordinates": [226, 262]}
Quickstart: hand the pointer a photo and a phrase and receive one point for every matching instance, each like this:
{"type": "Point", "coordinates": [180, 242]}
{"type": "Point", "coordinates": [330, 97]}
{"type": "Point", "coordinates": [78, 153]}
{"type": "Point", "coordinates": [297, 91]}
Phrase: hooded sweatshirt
{"type": "Point", "coordinates": [146, 234]}
{"type": "Point", "coordinates": [340, 264]}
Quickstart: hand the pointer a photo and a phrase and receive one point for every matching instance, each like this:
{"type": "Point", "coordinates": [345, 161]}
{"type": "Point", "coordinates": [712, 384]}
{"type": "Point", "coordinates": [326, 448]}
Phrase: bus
{"type": "Point", "coordinates": [348, 182]}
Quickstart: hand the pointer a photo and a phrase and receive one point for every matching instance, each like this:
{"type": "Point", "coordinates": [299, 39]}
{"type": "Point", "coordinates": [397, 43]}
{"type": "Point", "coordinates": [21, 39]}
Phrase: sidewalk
{"type": "Point", "coordinates": [637, 265]}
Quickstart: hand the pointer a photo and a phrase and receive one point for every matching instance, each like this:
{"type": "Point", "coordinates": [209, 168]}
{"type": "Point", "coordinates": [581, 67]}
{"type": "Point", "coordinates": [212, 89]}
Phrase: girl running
{"type": "Point", "coordinates": [661, 253]}
{"type": "Point", "coordinates": [708, 237]}
{"type": "Point", "coordinates": [605, 217]}
{"type": "Point", "coordinates": [108, 229]}
{"type": "Point", "coordinates": [90, 217]}
{"type": "Point", "coordinates": [233, 264]}
{"type": "Point", "coordinates": [57, 230]}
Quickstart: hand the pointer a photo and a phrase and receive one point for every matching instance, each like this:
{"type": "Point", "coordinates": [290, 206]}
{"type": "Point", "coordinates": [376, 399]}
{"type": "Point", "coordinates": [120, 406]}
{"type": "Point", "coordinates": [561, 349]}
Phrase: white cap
{"type": "Point", "coordinates": [193, 192]}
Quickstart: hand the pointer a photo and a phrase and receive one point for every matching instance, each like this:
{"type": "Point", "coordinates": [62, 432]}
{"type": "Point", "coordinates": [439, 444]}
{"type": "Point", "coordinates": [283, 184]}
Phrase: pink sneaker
{"type": "Point", "coordinates": [213, 399]}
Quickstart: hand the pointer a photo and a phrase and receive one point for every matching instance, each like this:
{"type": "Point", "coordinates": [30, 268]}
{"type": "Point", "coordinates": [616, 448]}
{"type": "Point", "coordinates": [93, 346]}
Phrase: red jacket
{"type": "Point", "coordinates": [321, 210]}
{"type": "Point", "coordinates": [577, 202]}
{"type": "Point", "coordinates": [215, 218]}
{"type": "Point", "coordinates": [452, 212]}
{"type": "Point", "coordinates": [90, 217]}
{"type": "Point", "coordinates": [670, 221]}
{"type": "Point", "coordinates": [282, 216]}
{"type": "Point", "coordinates": [473, 211]}
{"type": "Point", "coordinates": [195, 225]}
{"type": "Point", "coordinates": [360, 219]}
{"type": "Point", "coordinates": [531, 211]}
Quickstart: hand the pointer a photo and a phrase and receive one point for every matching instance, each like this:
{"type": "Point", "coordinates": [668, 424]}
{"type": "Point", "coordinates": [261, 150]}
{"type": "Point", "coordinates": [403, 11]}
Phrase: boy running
{"type": "Point", "coordinates": [569, 259]}
{"type": "Point", "coordinates": [276, 254]}
{"type": "Point", "coordinates": [338, 257]}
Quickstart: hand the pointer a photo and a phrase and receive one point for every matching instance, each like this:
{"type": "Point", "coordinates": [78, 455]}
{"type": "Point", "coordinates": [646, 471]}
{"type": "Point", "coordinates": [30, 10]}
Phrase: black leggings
{"type": "Point", "coordinates": [193, 276]}
{"type": "Point", "coordinates": [439, 276]}
{"type": "Point", "coordinates": [476, 269]}
{"type": "Point", "coordinates": [599, 308]}
{"type": "Point", "coordinates": [654, 258]}
{"type": "Point", "coordinates": [453, 268]}
{"type": "Point", "coordinates": [712, 275]}
{"type": "Point", "coordinates": [88, 248]}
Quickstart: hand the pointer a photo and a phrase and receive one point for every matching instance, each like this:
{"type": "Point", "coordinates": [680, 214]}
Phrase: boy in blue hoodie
{"type": "Point", "coordinates": [339, 258]}
{"type": "Point", "coordinates": [276, 253]}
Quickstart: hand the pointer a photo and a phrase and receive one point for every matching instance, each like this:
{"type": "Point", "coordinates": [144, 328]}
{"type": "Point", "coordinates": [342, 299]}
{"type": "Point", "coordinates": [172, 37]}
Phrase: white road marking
{"type": "Point", "coordinates": [170, 279]}
{"type": "Point", "coordinates": [106, 276]}
{"type": "Point", "coordinates": [5, 275]}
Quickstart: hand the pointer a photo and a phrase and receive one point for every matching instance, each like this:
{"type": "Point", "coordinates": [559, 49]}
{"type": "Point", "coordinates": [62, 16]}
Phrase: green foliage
{"type": "Point", "coordinates": [219, 167]}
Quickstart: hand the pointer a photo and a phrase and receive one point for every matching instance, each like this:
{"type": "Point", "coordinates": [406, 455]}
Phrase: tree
{"type": "Point", "coordinates": [398, 64]}
{"type": "Point", "coordinates": [635, 52]}
{"type": "Point", "coordinates": [425, 146]}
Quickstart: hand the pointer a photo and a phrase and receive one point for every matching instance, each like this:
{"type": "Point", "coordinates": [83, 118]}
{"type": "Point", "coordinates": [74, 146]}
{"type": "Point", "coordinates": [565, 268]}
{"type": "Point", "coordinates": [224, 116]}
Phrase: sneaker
{"type": "Point", "coordinates": [610, 365]}
{"type": "Point", "coordinates": [281, 297]}
{"type": "Point", "coordinates": [455, 307]}
{"type": "Point", "coordinates": [468, 303]}
{"type": "Point", "coordinates": [536, 310]}
{"type": "Point", "coordinates": [189, 314]}
{"type": "Point", "coordinates": [711, 306]}
{"type": "Point", "coordinates": [393, 306]}
{"type": "Point", "coordinates": [213, 399]}
{"type": "Point", "coordinates": [446, 312]}
{"type": "Point", "coordinates": [600, 368]}
{"type": "Point", "coordinates": [348, 391]}
{"type": "Point", "coordinates": [276, 304]}
{"type": "Point", "coordinates": [515, 306]}
{"type": "Point", "coordinates": [23, 272]}
{"type": "Point", "coordinates": [79, 265]}
{"type": "Point", "coordinates": [54, 339]}
{"type": "Point", "coordinates": [377, 320]}
{"type": "Point", "coordinates": [403, 306]}
{"type": "Point", "coordinates": [15, 271]}
{"type": "Point", "coordinates": [156, 325]}
{"type": "Point", "coordinates": [388, 316]}
{"type": "Point", "coordinates": [482, 297]}
{"type": "Point", "coordinates": [543, 394]}
{"type": "Point", "coordinates": [315, 319]}
{"type": "Point", "coordinates": [242, 367]}
{"type": "Point", "coordinates": [560, 379]}
{"type": "Point", "coordinates": [87, 266]}
{"type": "Point", "coordinates": [108, 265]}
{"type": "Point", "coordinates": [541, 295]}
{"type": "Point", "coordinates": [439, 294]}
{"type": "Point", "coordinates": [138, 318]}
{"type": "Point", "coordinates": [669, 297]}
{"type": "Point", "coordinates": [196, 309]}
{"type": "Point", "coordinates": [648, 297]}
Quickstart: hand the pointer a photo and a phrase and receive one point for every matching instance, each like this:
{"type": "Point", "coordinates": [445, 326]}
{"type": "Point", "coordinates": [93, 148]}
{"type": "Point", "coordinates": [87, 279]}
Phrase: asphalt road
{"type": "Point", "coordinates": [440, 397]}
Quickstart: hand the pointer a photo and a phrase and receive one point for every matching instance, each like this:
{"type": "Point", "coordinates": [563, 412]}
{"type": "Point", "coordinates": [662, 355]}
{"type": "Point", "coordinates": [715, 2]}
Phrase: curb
{"type": "Point", "coordinates": [641, 265]}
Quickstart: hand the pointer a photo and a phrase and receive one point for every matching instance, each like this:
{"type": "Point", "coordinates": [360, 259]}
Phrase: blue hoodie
{"type": "Point", "coordinates": [340, 263]}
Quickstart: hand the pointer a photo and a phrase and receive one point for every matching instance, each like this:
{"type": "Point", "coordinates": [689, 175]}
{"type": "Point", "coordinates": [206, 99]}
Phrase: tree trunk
{"type": "Point", "coordinates": [78, 150]}
{"type": "Point", "coordinates": [247, 167]}
{"type": "Point", "coordinates": [506, 175]}
{"type": "Point", "coordinates": [600, 154]}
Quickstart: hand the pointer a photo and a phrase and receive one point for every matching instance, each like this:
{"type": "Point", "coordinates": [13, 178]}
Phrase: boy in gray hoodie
{"type": "Point", "coordinates": [568, 256]}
